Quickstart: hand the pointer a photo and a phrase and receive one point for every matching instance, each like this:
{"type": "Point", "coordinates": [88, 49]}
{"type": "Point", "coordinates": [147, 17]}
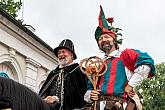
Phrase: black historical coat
{"type": "Point", "coordinates": [75, 86]}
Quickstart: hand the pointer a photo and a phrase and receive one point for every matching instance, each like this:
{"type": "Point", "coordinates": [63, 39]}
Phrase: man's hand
{"type": "Point", "coordinates": [51, 99]}
{"type": "Point", "coordinates": [129, 90]}
{"type": "Point", "coordinates": [94, 95]}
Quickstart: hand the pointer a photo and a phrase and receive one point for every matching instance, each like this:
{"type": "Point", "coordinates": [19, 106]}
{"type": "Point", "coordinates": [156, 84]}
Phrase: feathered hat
{"type": "Point", "coordinates": [104, 28]}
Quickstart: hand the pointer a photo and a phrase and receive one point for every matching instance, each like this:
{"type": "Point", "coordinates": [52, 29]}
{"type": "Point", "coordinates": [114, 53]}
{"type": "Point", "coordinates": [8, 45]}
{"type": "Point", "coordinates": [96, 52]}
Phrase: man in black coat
{"type": "Point", "coordinates": [65, 86]}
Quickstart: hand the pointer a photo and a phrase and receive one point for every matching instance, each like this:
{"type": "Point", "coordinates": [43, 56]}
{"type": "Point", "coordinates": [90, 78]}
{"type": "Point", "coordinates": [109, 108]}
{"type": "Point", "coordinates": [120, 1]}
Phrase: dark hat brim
{"type": "Point", "coordinates": [62, 47]}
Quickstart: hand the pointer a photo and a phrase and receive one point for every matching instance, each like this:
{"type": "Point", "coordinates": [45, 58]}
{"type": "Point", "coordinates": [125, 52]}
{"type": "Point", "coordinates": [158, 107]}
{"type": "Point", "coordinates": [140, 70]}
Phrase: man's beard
{"type": "Point", "coordinates": [63, 61]}
{"type": "Point", "coordinates": [106, 46]}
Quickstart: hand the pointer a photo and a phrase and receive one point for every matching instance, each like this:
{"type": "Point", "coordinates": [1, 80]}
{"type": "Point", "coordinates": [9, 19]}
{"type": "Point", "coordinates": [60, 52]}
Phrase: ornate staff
{"type": "Point", "coordinates": [93, 67]}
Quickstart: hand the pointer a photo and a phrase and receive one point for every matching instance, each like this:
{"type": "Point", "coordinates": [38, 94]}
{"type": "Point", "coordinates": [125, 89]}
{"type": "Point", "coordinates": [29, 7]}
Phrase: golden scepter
{"type": "Point", "coordinates": [93, 67]}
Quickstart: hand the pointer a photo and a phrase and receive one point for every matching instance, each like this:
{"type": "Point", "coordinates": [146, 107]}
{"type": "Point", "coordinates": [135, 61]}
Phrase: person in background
{"type": "Point", "coordinates": [65, 86]}
{"type": "Point", "coordinates": [125, 70]}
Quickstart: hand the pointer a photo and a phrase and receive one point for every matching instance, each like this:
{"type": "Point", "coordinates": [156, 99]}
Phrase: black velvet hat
{"type": "Point", "coordinates": [66, 44]}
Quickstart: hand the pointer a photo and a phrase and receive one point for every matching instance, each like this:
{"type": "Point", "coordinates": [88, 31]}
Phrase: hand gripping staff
{"type": "Point", "coordinates": [93, 67]}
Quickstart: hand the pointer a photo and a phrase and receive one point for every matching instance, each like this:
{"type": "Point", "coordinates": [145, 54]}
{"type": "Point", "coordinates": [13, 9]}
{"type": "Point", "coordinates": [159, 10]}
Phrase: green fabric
{"type": "Point", "coordinates": [145, 59]}
{"type": "Point", "coordinates": [102, 19]}
{"type": "Point", "coordinates": [104, 24]}
{"type": "Point", "coordinates": [98, 33]}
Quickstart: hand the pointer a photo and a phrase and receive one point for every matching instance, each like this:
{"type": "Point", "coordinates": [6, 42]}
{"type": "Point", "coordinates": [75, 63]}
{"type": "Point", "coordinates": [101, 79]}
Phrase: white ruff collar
{"type": "Point", "coordinates": [115, 53]}
{"type": "Point", "coordinates": [61, 66]}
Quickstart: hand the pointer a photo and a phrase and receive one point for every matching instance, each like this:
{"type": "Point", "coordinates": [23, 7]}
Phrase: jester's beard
{"type": "Point", "coordinates": [106, 46]}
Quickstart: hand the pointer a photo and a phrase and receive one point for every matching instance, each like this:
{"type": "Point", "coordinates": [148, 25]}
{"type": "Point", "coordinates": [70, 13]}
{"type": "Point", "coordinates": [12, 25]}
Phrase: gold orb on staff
{"type": "Point", "coordinates": [93, 67]}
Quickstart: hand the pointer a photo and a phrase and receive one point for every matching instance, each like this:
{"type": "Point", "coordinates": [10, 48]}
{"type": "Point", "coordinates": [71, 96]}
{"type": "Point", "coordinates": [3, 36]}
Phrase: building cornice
{"type": "Point", "coordinates": [25, 35]}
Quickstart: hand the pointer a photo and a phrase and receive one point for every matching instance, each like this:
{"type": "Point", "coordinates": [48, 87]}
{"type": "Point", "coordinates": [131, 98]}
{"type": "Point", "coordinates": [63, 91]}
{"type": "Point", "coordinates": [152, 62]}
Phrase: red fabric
{"type": "Point", "coordinates": [102, 79]}
{"type": "Point", "coordinates": [106, 31]}
{"type": "Point", "coordinates": [150, 75]}
{"type": "Point", "coordinates": [110, 88]}
{"type": "Point", "coordinates": [129, 58]}
{"type": "Point", "coordinates": [100, 20]}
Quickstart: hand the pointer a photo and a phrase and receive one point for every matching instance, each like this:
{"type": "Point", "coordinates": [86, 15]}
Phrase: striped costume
{"type": "Point", "coordinates": [117, 76]}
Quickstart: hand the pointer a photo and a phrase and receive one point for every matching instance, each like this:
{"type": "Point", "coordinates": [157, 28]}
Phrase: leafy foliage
{"type": "Point", "coordinates": [154, 90]}
{"type": "Point", "coordinates": [11, 6]}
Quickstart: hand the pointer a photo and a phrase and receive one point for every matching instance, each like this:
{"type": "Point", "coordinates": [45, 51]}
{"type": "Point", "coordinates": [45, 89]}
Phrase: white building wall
{"type": "Point", "coordinates": [29, 59]}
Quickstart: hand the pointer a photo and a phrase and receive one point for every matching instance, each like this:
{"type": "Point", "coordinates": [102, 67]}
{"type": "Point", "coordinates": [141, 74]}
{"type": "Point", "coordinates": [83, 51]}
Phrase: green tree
{"type": "Point", "coordinates": [11, 6]}
{"type": "Point", "coordinates": [154, 90]}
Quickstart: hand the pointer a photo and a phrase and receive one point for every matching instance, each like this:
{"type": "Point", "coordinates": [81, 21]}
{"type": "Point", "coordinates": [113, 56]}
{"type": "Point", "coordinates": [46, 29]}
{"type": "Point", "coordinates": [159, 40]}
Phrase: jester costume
{"type": "Point", "coordinates": [130, 66]}
{"type": "Point", "coordinates": [115, 78]}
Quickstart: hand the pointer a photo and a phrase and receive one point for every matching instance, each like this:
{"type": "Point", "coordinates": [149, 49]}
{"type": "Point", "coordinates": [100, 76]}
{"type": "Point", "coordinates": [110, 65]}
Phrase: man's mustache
{"type": "Point", "coordinates": [62, 61]}
{"type": "Point", "coordinates": [105, 42]}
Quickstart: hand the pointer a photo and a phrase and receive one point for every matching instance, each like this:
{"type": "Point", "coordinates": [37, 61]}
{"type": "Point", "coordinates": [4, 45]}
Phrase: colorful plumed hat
{"type": "Point", "coordinates": [104, 28]}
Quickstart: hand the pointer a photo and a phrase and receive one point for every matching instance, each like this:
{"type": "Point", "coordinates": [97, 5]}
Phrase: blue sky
{"type": "Point", "coordinates": [142, 21]}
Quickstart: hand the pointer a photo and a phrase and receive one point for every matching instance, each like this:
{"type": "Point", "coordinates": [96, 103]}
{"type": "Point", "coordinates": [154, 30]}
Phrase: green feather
{"type": "Point", "coordinates": [119, 41]}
